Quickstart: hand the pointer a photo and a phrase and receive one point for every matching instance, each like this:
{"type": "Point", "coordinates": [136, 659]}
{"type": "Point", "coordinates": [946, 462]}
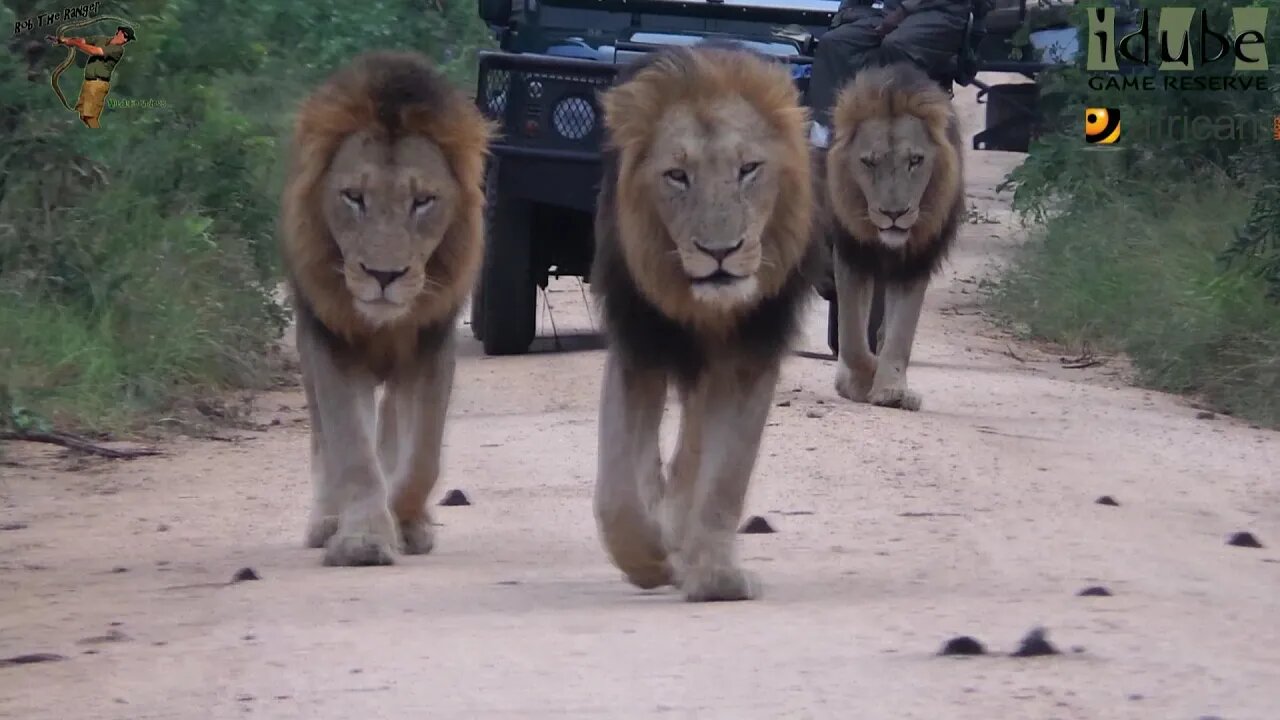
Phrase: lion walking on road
{"type": "Point", "coordinates": [382, 237]}
{"type": "Point", "coordinates": [890, 198]}
{"type": "Point", "coordinates": [702, 222]}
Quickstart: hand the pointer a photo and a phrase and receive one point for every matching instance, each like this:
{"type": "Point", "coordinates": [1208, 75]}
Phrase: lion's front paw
{"type": "Point", "coordinates": [719, 583]}
{"type": "Point", "coordinates": [855, 384]}
{"type": "Point", "coordinates": [896, 397]}
{"type": "Point", "coordinates": [363, 541]}
{"type": "Point", "coordinates": [320, 528]}
{"type": "Point", "coordinates": [653, 576]}
{"type": "Point", "coordinates": [417, 537]}
{"type": "Point", "coordinates": [358, 550]}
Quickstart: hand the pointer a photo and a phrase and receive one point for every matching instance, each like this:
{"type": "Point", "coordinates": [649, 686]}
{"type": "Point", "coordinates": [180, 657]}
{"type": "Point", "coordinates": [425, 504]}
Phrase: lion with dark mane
{"type": "Point", "coordinates": [381, 225]}
{"type": "Point", "coordinates": [890, 196]}
{"type": "Point", "coordinates": [702, 221]}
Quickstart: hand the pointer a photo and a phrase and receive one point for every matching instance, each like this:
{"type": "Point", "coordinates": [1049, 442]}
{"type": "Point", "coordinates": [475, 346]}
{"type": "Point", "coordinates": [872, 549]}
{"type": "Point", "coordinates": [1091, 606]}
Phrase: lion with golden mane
{"type": "Point", "coordinates": [381, 225]}
{"type": "Point", "coordinates": [702, 221]}
{"type": "Point", "coordinates": [890, 196]}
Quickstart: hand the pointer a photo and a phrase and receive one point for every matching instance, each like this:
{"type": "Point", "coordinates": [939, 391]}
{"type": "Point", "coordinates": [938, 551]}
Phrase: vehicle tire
{"type": "Point", "coordinates": [477, 310]}
{"type": "Point", "coordinates": [833, 327]}
{"type": "Point", "coordinates": [508, 294]}
{"type": "Point", "coordinates": [875, 322]}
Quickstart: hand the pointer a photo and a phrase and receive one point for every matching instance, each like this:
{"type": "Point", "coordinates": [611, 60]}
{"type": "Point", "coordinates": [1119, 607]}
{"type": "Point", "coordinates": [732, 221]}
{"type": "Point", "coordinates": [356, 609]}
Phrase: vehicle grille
{"type": "Point", "coordinates": [548, 108]}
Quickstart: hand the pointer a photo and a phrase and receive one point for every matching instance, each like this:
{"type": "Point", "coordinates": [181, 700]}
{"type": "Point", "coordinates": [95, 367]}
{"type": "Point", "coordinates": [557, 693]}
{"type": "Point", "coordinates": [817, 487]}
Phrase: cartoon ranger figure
{"type": "Point", "coordinates": [105, 52]}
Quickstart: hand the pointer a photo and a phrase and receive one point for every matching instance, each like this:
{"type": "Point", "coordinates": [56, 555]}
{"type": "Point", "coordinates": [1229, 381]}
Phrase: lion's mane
{"type": "Point", "coordinates": [648, 307]}
{"type": "Point", "coordinates": [892, 92]}
{"type": "Point", "coordinates": [389, 94]}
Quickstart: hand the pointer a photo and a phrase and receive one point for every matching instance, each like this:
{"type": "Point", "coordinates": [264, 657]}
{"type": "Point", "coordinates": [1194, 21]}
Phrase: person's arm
{"type": "Point", "coordinates": [906, 7]}
{"type": "Point", "coordinates": [899, 13]}
{"type": "Point", "coordinates": [82, 45]}
{"type": "Point", "coordinates": [895, 16]}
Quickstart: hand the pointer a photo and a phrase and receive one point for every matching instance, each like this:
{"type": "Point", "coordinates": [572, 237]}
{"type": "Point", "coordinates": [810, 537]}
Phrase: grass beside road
{"type": "Point", "coordinates": [1145, 276]}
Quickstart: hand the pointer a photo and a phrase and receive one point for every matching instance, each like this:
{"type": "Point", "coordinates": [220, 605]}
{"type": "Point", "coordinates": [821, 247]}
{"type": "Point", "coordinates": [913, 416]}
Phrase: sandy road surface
{"type": "Point", "coordinates": [896, 531]}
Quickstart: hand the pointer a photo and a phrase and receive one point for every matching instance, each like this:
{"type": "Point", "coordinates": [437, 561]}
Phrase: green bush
{"type": "Point", "coordinates": [1143, 277]}
{"type": "Point", "coordinates": [138, 261]}
{"type": "Point", "coordinates": [1166, 247]}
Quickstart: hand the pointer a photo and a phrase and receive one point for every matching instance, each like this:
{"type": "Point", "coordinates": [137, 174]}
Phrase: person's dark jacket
{"type": "Point", "coordinates": [848, 8]}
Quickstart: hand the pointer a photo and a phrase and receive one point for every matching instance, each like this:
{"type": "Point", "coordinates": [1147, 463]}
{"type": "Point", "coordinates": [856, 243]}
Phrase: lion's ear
{"type": "Point", "coordinates": [624, 113]}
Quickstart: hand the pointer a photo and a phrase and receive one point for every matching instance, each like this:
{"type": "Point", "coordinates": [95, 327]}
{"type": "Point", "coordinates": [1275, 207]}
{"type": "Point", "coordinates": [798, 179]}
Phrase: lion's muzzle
{"type": "Point", "coordinates": [722, 271]}
{"type": "Point", "coordinates": [382, 294]}
{"type": "Point", "coordinates": [894, 225]}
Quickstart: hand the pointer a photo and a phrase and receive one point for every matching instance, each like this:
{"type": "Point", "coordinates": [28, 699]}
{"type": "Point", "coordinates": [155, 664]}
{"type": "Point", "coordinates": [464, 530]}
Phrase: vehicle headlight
{"type": "Point", "coordinates": [497, 102]}
{"type": "Point", "coordinates": [573, 117]}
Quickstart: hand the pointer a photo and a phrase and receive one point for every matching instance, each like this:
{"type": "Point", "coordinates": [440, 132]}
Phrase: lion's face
{"type": "Point", "coordinates": [891, 161]}
{"type": "Point", "coordinates": [714, 181]}
{"type": "Point", "coordinates": [388, 207]}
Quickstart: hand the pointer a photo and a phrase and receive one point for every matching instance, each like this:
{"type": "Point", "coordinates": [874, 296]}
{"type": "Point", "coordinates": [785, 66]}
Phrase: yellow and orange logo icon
{"type": "Point", "coordinates": [1101, 125]}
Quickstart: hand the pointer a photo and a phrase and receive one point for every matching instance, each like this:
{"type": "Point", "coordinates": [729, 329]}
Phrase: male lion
{"type": "Point", "coordinates": [702, 220]}
{"type": "Point", "coordinates": [890, 197]}
{"type": "Point", "coordinates": [381, 222]}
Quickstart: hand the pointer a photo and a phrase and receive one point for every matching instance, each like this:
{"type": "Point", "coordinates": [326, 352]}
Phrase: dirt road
{"type": "Point", "coordinates": [895, 532]}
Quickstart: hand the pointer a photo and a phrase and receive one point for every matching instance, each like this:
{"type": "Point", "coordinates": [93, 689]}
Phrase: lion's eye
{"type": "Point", "coordinates": [869, 161]}
{"type": "Point", "coordinates": [915, 160]}
{"type": "Point", "coordinates": [748, 170]}
{"type": "Point", "coordinates": [354, 198]}
{"type": "Point", "coordinates": [422, 204]}
{"type": "Point", "coordinates": [677, 176]}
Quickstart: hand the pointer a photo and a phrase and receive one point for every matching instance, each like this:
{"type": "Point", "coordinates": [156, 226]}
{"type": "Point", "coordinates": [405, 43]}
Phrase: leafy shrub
{"type": "Point", "coordinates": [137, 260]}
{"type": "Point", "coordinates": [1165, 246]}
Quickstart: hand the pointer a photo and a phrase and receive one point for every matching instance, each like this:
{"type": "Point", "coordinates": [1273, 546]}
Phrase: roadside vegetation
{"type": "Point", "coordinates": [137, 260]}
{"type": "Point", "coordinates": [1166, 248]}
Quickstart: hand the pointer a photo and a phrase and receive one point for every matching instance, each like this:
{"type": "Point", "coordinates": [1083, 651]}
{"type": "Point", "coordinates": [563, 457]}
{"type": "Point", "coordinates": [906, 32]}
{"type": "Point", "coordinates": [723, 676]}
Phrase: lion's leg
{"type": "Point", "coordinates": [629, 472]}
{"type": "Point", "coordinates": [856, 370]}
{"type": "Point", "coordinates": [682, 475]}
{"type": "Point", "coordinates": [902, 305]}
{"type": "Point", "coordinates": [410, 440]}
{"type": "Point", "coordinates": [731, 422]}
{"type": "Point", "coordinates": [324, 512]}
{"type": "Point", "coordinates": [351, 479]}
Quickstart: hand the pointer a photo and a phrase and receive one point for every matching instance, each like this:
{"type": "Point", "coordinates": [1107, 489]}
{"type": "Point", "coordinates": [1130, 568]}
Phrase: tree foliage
{"type": "Point", "coordinates": [1160, 151]}
{"type": "Point", "coordinates": [139, 257]}
{"type": "Point", "coordinates": [1165, 245]}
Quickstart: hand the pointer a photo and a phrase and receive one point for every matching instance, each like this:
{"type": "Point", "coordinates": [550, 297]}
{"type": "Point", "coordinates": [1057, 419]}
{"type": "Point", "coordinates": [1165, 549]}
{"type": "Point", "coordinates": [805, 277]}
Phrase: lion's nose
{"type": "Point", "coordinates": [719, 253]}
{"type": "Point", "coordinates": [895, 214]}
{"type": "Point", "coordinates": [384, 277]}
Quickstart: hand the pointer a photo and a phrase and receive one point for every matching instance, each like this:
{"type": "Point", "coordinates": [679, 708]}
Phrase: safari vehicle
{"type": "Point", "coordinates": [541, 88]}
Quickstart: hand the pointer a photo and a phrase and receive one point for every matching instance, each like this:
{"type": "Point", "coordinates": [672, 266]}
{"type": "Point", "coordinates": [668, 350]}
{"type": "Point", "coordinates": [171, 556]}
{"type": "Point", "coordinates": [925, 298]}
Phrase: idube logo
{"type": "Point", "coordinates": [1230, 53]}
{"type": "Point", "coordinates": [1101, 125]}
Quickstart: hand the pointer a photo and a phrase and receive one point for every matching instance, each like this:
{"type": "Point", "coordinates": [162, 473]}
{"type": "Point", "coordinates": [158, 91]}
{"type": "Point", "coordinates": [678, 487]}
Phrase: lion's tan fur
{"type": "Point", "coordinates": [678, 526]}
{"type": "Point", "coordinates": [882, 93]}
{"type": "Point", "coordinates": [889, 126]}
{"type": "Point", "coordinates": [700, 83]}
{"type": "Point", "coordinates": [396, 123]}
{"type": "Point", "coordinates": [345, 104]}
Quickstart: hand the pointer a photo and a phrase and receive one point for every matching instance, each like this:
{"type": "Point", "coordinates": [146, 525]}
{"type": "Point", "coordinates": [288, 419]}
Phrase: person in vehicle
{"type": "Point", "coordinates": [879, 32]}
